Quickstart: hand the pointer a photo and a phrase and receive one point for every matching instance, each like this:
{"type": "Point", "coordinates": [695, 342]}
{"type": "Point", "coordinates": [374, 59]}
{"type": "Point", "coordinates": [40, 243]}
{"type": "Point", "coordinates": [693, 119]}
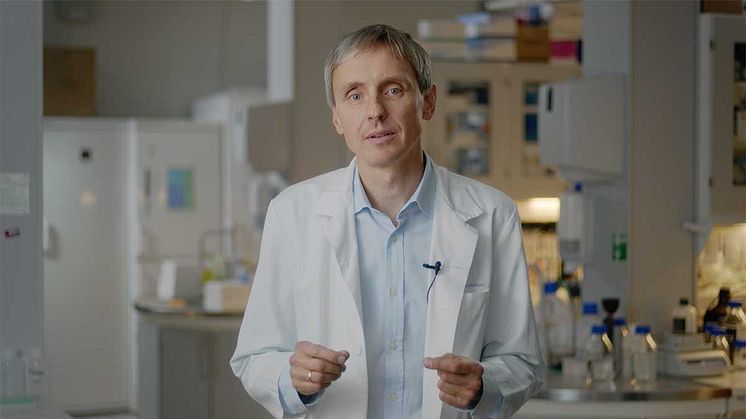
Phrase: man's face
{"type": "Point", "coordinates": [379, 108]}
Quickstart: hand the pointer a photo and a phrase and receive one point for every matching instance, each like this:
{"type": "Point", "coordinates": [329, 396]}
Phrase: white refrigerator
{"type": "Point", "coordinates": [120, 195]}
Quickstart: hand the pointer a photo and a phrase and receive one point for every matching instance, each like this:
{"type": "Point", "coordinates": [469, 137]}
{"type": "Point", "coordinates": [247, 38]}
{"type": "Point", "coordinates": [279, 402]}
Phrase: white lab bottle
{"type": "Point", "coordinates": [36, 368]}
{"type": "Point", "coordinates": [557, 320]}
{"type": "Point", "coordinates": [598, 352]}
{"type": "Point", "coordinates": [13, 374]}
{"type": "Point", "coordinates": [684, 317]}
{"type": "Point", "coordinates": [587, 320]}
{"type": "Point", "coordinates": [627, 342]}
{"type": "Point", "coordinates": [619, 335]}
{"type": "Point", "coordinates": [644, 355]}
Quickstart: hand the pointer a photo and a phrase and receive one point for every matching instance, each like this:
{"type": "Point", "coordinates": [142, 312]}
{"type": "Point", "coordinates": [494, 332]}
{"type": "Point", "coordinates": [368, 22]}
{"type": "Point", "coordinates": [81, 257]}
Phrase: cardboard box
{"type": "Point", "coordinates": [722, 6]}
{"type": "Point", "coordinates": [69, 81]}
{"type": "Point", "coordinates": [533, 43]}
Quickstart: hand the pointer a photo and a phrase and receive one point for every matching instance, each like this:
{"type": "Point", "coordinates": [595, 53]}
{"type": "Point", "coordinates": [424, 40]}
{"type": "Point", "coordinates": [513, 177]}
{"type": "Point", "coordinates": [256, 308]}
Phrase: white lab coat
{"type": "Point", "coordinates": [307, 287]}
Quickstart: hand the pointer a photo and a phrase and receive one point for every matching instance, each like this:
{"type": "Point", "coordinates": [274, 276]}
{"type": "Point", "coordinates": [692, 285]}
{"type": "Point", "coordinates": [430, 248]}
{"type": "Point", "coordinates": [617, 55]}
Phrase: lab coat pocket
{"type": "Point", "coordinates": [471, 324]}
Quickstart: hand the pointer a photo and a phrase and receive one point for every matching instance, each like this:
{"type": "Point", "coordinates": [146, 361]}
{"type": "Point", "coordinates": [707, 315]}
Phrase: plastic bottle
{"type": "Point", "coordinates": [734, 322]}
{"type": "Point", "coordinates": [720, 341]}
{"type": "Point", "coordinates": [627, 342]}
{"type": "Point", "coordinates": [598, 352]}
{"type": "Point", "coordinates": [13, 374]}
{"type": "Point", "coordinates": [684, 317]}
{"type": "Point", "coordinates": [36, 369]}
{"type": "Point", "coordinates": [584, 324]}
{"type": "Point", "coordinates": [619, 335]}
{"type": "Point", "coordinates": [739, 355]}
{"type": "Point", "coordinates": [644, 355]}
{"type": "Point", "coordinates": [557, 319]}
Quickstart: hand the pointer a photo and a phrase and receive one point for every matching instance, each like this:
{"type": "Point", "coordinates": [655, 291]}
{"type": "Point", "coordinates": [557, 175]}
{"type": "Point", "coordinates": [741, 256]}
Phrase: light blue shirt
{"type": "Point", "coordinates": [394, 302]}
{"type": "Point", "coordinates": [393, 287]}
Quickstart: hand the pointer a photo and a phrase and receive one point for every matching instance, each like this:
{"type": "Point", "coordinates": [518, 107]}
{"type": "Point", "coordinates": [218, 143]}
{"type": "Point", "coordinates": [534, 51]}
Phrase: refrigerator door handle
{"type": "Point", "coordinates": [48, 239]}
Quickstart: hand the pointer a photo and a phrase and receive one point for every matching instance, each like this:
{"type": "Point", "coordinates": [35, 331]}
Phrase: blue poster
{"type": "Point", "coordinates": [180, 189]}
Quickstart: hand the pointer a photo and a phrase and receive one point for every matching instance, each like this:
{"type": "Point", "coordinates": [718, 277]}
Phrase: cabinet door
{"type": "Point", "coordinates": [721, 150]}
{"type": "Point", "coordinates": [230, 400]}
{"type": "Point", "coordinates": [463, 135]}
{"type": "Point", "coordinates": [185, 374]}
{"type": "Point", "coordinates": [527, 177]}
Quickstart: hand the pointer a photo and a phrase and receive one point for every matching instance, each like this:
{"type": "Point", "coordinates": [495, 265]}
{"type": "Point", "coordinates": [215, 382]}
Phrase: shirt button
{"type": "Point", "coordinates": [394, 346]}
{"type": "Point", "coordinates": [393, 397]}
{"type": "Point", "coordinates": [393, 292]}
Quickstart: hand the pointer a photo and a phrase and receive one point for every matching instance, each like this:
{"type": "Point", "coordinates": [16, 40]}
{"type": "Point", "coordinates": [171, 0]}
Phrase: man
{"type": "Point", "coordinates": [391, 288]}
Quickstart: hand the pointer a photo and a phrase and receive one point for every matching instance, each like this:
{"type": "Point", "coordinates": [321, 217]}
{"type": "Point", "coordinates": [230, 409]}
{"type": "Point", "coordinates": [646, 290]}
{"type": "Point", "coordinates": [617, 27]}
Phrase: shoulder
{"type": "Point", "coordinates": [486, 197]}
{"type": "Point", "coordinates": [305, 195]}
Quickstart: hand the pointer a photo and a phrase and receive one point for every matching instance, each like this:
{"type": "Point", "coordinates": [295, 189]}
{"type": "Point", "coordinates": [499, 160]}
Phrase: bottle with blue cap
{"type": "Point", "coordinates": [644, 348]}
{"type": "Point", "coordinates": [598, 352]}
{"type": "Point", "coordinates": [734, 324]}
{"type": "Point", "coordinates": [583, 325]}
{"type": "Point", "coordinates": [720, 340]}
{"type": "Point", "coordinates": [557, 320]}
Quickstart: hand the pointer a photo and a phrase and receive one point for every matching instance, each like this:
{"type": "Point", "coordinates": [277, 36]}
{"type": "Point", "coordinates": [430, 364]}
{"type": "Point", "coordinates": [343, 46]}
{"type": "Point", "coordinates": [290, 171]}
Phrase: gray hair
{"type": "Point", "coordinates": [399, 42]}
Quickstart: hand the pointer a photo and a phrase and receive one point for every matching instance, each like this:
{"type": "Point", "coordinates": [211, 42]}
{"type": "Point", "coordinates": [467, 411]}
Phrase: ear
{"type": "Point", "coordinates": [335, 120]}
{"type": "Point", "coordinates": [428, 105]}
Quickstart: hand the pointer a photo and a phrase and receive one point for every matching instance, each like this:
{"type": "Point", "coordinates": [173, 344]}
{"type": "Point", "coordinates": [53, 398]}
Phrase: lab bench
{"type": "Point", "coordinates": [184, 372]}
{"type": "Point", "coordinates": [183, 365]}
{"type": "Point", "coordinates": [667, 397]}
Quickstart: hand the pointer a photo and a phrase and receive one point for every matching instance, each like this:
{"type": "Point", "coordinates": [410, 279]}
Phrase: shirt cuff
{"type": "Point", "coordinates": [292, 401]}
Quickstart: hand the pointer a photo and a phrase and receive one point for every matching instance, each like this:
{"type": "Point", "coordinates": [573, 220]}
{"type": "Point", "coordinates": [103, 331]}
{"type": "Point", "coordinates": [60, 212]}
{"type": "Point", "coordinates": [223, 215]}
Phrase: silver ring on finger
{"type": "Point", "coordinates": [309, 377]}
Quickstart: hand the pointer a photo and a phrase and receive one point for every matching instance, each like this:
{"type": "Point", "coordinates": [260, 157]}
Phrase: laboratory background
{"type": "Point", "coordinates": [141, 142]}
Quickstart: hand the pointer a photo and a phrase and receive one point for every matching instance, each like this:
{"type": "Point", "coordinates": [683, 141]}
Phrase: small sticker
{"type": "Point", "coordinates": [12, 232]}
{"type": "Point", "coordinates": [180, 189]}
{"type": "Point", "coordinates": [14, 193]}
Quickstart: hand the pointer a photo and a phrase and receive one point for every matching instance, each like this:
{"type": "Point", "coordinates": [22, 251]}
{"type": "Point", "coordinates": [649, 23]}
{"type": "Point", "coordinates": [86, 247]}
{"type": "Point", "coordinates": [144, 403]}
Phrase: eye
{"type": "Point", "coordinates": [354, 97]}
{"type": "Point", "coordinates": [395, 91]}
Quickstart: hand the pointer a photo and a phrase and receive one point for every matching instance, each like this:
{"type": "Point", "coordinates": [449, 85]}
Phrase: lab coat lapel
{"type": "Point", "coordinates": [338, 224]}
{"type": "Point", "coordinates": [453, 244]}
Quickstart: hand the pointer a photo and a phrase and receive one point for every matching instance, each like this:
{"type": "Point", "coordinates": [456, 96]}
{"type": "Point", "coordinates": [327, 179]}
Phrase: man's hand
{"type": "Point", "coordinates": [314, 367]}
{"type": "Point", "coordinates": [460, 381]}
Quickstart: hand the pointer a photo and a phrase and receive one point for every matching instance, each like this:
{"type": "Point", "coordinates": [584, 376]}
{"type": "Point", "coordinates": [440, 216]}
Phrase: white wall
{"type": "Point", "coordinates": [319, 26]}
{"type": "Point", "coordinates": [21, 267]}
{"type": "Point", "coordinates": [155, 57]}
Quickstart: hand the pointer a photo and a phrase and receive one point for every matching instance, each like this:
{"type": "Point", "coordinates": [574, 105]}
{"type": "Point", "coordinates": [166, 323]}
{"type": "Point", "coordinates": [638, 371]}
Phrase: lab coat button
{"type": "Point", "coordinates": [393, 292]}
{"type": "Point", "coordinates": [394, 346]}
{"type": "Point", "coordinates": [393, 397]}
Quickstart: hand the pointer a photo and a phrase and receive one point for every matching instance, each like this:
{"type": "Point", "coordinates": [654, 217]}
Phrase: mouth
{"type": "Point", "coordinates": [380, 136]}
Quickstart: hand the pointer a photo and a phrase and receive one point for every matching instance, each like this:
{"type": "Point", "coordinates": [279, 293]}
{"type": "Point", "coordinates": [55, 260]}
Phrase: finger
{"type": "Point", "coordinates": [316, 377]}
{"type": "Point", "coordinates": [469, 393]}
{"type": "Point", "coordinates": [454, 401]}
{"type": "Point", "coordinates": [314, 350]}
{"type": "Point", "coordinates": [454, 364]}
{"type": "Point", "coordinates": [316, 364]}
{"type": "Point", "coordinates": [456, 379]}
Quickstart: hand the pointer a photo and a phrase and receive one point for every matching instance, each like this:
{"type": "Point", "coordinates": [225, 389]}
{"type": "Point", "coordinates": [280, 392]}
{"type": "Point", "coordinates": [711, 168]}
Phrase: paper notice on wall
{"type": "Point", "coordinates": [14, 193]}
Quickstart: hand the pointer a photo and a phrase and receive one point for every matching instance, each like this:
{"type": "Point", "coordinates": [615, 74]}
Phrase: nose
{"type": "Point", "coordinates": [376, 110]}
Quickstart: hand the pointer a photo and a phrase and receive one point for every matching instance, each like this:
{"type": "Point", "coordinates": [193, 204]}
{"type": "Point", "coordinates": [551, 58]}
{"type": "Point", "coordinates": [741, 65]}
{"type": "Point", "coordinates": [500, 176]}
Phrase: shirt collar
{"type": "Point", "coordinates": [423, 196]}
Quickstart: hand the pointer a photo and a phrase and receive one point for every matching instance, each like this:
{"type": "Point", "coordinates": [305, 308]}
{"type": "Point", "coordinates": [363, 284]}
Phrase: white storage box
{"type": "Point", "coordinates": [225, 296]}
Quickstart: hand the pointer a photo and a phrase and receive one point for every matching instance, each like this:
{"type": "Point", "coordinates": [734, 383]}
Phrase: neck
{"type": "Point", "coordinates": [389, 188]}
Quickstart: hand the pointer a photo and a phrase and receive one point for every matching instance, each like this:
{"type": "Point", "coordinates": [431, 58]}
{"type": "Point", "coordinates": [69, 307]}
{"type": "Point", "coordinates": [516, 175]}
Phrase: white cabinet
{"type": "Point", "coordinates": [485, 124]}
{"type": "Point", "coordinates": [721, 112]}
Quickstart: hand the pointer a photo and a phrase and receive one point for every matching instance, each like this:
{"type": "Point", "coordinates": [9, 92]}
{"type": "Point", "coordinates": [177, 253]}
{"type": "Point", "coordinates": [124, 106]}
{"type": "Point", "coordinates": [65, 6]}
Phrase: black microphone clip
{"type": "Point", "coordinates": [435, 267]}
